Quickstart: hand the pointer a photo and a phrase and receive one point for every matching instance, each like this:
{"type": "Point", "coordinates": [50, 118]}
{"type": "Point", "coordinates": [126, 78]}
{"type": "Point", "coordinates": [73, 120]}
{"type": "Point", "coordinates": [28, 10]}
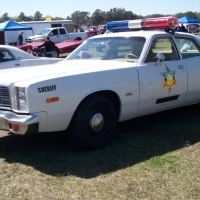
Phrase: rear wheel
{"type": "Point", "coordinates": [55, 53]}
{"type": "Point", "coordinates": [94, 123]}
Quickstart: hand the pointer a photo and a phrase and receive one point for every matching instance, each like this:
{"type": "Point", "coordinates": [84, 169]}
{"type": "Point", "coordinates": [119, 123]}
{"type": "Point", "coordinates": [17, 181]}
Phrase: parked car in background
{"type": "Point", "coordinates": [12, 57]}
{"type": "Point", "coordinates": [60, 48]}
{"type": "Point", "coordinates": [37, 27]}
{"type": "Point", "coordinates": [57, 34]}
{"type": "Point", "coordinates": [92, 31]}
{"type": "Point", "coordinates": [102, 29]}
{"type": "Point", "coordinates": [193, 28]}
{"type": "Point", "coordinates": [96, 30]}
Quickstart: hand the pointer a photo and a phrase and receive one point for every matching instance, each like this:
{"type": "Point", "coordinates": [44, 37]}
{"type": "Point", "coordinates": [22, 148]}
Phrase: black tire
{"type": "Point", "coordinates": [39, 52]}
{"type": "Point", "coordinates": [94, 123]}
{"type": "Point", "coordinates": [78, 38]}
{"type": "Point", "coordinates": [42, 53]}
{"type": "Point", "coordinates": [55, 53]}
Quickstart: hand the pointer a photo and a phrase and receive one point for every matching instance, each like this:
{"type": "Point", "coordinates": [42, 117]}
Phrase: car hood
{"type": "Point", "coordinates": [63, 68]}
{"type": "Point", "coordinates": [36, 37]}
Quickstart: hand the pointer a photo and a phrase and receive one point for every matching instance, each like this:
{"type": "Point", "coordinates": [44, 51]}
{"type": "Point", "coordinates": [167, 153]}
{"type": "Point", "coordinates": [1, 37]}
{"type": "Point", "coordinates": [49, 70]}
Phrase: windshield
{"type": "Point", "coordinates": [44, 32]}
{"type": "Point", "coordinates": [109, 48]}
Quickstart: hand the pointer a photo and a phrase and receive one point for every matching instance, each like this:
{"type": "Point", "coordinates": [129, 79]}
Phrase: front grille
{"type": "Point", "coordinates": [29, 40]}
{"type": "Point", "coordinates": [4, 97]}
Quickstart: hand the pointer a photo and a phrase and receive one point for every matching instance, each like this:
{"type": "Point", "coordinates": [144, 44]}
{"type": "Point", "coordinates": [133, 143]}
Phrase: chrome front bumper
{"type": "Point", "coordinates": [23, 121]}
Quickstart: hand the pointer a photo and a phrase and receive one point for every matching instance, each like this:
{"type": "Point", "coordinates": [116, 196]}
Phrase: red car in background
{"type": "Point", "coordinates": [94, 30]}
{"type": "Point", "coordinates": [60, 48]}
{"type": "Point", "coordinates": [102, 29]}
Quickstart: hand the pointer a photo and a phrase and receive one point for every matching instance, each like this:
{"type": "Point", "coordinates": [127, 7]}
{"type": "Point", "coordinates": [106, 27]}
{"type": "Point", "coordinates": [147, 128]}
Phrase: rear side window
{"type": "Point", "coordinates": [62, 31]}
{"type": "Point", "coordinates": [188, 47]}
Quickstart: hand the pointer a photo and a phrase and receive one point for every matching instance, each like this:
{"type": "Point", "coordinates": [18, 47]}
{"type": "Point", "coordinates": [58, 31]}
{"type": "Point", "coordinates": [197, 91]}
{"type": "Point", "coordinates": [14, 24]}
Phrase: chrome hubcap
{"type": "Point", "coordinates": [54, 54]}
{"type": "Point", "coordinates": [96, 122]}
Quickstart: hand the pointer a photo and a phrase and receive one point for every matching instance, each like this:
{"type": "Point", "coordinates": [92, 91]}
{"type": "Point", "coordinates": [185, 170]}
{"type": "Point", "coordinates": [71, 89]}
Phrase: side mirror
{"type": "Point", "coordinates": [160, 57]}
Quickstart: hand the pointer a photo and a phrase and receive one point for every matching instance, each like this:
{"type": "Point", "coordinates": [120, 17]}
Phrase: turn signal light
{"type": "Point", "coordinates": [14, 127]}
{"type": "Point", "coordinates": [53, 99]}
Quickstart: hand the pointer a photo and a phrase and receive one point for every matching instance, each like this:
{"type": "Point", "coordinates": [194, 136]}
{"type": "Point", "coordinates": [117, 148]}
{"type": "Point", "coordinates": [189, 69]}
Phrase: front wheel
{"type": "Point", "coordinates": [94, 123]}
{"type": "Point", "coordinates": [42, 53]}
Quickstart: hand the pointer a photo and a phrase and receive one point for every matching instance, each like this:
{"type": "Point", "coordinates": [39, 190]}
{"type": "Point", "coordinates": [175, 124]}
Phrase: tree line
{"type": "Point", "coordinates": [97, 17]}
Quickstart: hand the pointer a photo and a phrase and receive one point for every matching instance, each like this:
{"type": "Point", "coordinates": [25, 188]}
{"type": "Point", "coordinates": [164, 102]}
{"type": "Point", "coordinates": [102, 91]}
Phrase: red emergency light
{"type": "Point", "coordinates": [159, 23]}
{"type": "Point", "coordinates": [166, 23]}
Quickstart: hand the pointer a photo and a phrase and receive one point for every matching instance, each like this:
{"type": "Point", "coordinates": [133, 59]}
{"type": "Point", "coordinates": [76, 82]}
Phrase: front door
{"type": "Point", "coordinates": [54, 36]}
{"type": "Point", "coordinates": [165, 84]}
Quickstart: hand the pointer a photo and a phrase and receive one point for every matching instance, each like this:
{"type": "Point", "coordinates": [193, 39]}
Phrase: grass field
{"type": "Point", "coordinates": [64, 55]}
{"type": "Point", "coordinates": [156, 157]}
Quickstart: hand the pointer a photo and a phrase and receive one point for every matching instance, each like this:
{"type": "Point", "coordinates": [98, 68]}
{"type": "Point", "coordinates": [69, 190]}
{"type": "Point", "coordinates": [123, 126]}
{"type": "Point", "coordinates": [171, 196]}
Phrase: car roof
{"type": "Point", "coordinates": [144, 33]}
{"type": "Point", "coordinates": [18, 53]}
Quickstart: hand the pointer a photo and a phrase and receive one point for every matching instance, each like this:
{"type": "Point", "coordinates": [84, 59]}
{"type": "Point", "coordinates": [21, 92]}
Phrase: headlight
{"type": "Point", "coordinates": [20, 98]}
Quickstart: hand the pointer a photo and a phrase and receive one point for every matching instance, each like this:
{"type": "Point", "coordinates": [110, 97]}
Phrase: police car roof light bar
{"type": "Point", "coordinates": [166, 23]}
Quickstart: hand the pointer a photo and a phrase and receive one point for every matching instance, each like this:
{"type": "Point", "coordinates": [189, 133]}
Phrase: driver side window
{"type": "Point", "coordinates": [162, 45]}
{"type": "Point", "coordinates": [5, 56]}
{"type": "Point", "coordinates": [54, 32]}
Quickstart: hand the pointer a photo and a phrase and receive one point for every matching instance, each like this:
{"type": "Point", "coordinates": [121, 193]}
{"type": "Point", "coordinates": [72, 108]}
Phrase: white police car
{"type": "Point", "coordinates": [135, 73]}
{"type": "Point", "coordinates": [12, 57]}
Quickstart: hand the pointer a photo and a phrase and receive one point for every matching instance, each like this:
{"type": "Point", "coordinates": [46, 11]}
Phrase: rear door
{"type": "Point", "coordinates": [63, 34]}
{"type": "Point", "coordinates": [190, 52]}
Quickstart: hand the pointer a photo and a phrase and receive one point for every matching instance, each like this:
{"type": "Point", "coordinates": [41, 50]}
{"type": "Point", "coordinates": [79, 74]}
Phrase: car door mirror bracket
{"type": "Point", "coordinates": [160, 57]}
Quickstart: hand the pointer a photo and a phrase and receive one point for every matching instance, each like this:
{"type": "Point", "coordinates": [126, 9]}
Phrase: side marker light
{"type": "Point", "coordinates": [51, 100]}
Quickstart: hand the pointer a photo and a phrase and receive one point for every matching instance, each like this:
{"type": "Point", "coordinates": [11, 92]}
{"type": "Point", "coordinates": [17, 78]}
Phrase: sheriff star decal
{"type": "Point", "coordinates": [169, 79]}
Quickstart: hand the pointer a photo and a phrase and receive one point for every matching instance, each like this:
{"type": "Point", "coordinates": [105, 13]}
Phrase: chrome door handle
{"type": "Point", "coordinates": [180, 66]}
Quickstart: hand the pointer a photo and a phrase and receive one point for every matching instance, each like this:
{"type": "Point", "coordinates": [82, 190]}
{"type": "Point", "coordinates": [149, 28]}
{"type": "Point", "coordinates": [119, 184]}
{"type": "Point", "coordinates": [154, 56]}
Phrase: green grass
{"type": "Point", "coordinates": [166, 162]}
{"type": "Point", "coordinates": [64, 55]}
{"type": "Point", "coordinates": [152, 157]}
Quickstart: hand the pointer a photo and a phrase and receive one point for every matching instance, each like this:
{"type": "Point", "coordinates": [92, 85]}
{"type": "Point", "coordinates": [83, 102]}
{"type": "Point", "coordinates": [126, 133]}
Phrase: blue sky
{"type": "Point", "coordinates": [64, 8]}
